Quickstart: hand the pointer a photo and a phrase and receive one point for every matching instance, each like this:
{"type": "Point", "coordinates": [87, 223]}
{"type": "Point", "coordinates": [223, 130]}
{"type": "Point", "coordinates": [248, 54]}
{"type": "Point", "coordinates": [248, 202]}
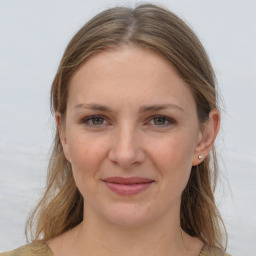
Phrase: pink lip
{"type": "Point", "coordinates": [128, 186]}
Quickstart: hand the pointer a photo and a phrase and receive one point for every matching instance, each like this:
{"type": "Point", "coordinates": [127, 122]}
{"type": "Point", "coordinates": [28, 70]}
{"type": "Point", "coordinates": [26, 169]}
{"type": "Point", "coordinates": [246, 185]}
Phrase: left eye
{"type": "Point", "coordinates": [160, 121]}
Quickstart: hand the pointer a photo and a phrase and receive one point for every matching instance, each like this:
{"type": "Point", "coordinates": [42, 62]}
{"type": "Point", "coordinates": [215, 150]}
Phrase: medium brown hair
{"type": "Point", "coordinates": [155, 28]}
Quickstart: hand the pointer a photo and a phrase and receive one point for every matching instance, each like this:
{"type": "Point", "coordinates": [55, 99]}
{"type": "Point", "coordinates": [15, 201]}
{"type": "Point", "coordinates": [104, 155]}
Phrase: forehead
{"type": "Point", "coordinates": [128, 75]}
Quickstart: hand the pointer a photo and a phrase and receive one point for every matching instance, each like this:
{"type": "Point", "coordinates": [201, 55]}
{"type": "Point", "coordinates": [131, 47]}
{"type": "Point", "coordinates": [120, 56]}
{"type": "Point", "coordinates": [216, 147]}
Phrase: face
{"type": "Point", "coordinates": [131, 134]}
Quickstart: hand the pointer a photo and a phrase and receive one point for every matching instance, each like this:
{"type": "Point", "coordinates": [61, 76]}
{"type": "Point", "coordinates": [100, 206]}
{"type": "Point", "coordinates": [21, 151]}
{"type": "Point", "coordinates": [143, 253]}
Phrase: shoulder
{"type": "Point", "coordinates": [214, 254]}
{"type": "Point", "coordinates": [33, 249]}
{"type": "Point", "coordinates": [207, 251]}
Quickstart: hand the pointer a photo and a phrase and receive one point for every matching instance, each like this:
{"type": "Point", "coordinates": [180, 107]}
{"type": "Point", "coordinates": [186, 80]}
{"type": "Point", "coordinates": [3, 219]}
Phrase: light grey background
{"type": "Point", "coordinates": [33, 35]}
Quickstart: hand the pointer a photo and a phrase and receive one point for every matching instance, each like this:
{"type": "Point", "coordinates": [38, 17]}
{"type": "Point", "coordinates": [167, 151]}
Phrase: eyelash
{"type": "Point", "coordinates": [167, 121]}
{"type": "Point", "coordinates": [88, 121]}
{"type": "Point", "coordinates": [90, 118]}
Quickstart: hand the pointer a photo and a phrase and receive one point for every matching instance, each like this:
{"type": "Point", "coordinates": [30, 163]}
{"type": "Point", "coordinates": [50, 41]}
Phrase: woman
{"type": "Point", "coordinates": [133, 168]}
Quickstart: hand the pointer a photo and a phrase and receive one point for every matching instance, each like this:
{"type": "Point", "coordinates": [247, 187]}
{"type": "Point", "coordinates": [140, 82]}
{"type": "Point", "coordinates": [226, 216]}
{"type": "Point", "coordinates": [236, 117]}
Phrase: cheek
{"type": "Point", "coordinates": [173, 159]}
{"type": "Point", "coordinates": [86, 149]}
{"type": "Point", "coordinates": [173, 149]}
{"type": "Point", "coordinates": [87, 154]}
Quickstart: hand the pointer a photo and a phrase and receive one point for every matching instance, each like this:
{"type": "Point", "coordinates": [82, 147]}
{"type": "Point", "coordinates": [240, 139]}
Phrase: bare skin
{"type": "Point", "coordinates": [79, 242]}
{"type": "Point", "coordinates": [130, 114]}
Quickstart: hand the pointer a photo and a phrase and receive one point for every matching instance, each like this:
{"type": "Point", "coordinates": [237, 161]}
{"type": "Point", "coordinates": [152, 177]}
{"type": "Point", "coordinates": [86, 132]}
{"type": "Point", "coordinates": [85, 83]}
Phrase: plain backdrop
{"type": "Point", "coordinates": [33, 36]}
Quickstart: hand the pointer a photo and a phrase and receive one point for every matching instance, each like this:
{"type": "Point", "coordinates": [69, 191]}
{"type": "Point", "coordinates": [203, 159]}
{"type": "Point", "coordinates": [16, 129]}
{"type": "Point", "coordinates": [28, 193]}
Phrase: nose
{"type": "Point", "coordinates": [127, 148]}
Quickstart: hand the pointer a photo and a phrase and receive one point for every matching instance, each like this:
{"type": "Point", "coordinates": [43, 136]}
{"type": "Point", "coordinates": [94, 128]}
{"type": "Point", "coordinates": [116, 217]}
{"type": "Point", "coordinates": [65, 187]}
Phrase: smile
{"type": "Point", "coordinates": [128, 186]}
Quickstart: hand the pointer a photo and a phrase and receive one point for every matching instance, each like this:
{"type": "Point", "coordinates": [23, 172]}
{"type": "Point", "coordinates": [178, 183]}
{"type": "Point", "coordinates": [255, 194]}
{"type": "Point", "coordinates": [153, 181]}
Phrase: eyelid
{"type": "Point", "coordinates": [170, 121]}
{"type": "Point", "coordinates": [86, 119]}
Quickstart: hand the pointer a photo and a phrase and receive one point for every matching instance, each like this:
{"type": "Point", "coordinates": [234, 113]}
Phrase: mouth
{"type": "Point", "coordinates": [128, 186]}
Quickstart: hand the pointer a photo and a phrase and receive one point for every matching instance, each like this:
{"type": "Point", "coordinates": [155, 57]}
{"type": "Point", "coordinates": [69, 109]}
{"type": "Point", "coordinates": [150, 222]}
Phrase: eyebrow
{"type": "Point", "coordinates": [156, 107]}
{"type": "Point", "coordinates": [94, 107]}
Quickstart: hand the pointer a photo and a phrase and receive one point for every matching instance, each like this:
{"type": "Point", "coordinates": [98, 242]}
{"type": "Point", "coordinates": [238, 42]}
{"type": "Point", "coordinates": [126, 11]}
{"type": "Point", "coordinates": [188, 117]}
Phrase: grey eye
{"type": "Point", "coordinates": [97, 120]}
{"type": "Point", "coordinates": [159, 120]}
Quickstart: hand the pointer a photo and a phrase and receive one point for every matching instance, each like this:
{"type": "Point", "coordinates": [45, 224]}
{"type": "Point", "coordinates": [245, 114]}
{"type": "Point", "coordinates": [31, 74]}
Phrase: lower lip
{"type": "Point", "coordinates": [128, 189]}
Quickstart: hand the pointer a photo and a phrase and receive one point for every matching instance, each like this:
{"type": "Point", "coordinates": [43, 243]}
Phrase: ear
{"type": "Point", "coordinates": [207, 137]}
{"type": "Point", "coordinates": [62, 134]}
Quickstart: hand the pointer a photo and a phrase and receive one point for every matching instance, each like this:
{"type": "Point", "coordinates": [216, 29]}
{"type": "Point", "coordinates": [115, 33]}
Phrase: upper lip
{"type": "Point", "coordinates": [130, 180]}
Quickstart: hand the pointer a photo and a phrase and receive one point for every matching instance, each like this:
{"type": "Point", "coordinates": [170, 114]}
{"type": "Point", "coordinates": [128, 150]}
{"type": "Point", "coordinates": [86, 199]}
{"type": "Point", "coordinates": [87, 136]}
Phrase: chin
{"type": "Point", "coordinates": [128, 215]}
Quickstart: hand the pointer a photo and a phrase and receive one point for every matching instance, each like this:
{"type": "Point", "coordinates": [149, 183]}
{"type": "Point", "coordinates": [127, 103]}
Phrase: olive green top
{"type": "Point", "coordinates": [34, 249]}
{"type": "Point", "coordinates": [41, 249]}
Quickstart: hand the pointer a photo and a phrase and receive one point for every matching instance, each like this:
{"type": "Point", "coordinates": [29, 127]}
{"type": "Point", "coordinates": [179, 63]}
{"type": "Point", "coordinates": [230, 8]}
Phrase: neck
{"type": "Point", "coordinates": [97, 237]}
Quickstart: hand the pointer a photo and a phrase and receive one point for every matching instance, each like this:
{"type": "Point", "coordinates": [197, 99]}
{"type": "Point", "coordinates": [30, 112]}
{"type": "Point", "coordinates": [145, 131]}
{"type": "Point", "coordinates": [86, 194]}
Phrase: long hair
{"type": "Point", "coordinates": [155, 28]}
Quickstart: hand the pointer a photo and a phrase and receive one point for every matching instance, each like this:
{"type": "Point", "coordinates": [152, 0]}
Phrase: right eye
{"type": "Point", "coordinates": [94, 121]}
